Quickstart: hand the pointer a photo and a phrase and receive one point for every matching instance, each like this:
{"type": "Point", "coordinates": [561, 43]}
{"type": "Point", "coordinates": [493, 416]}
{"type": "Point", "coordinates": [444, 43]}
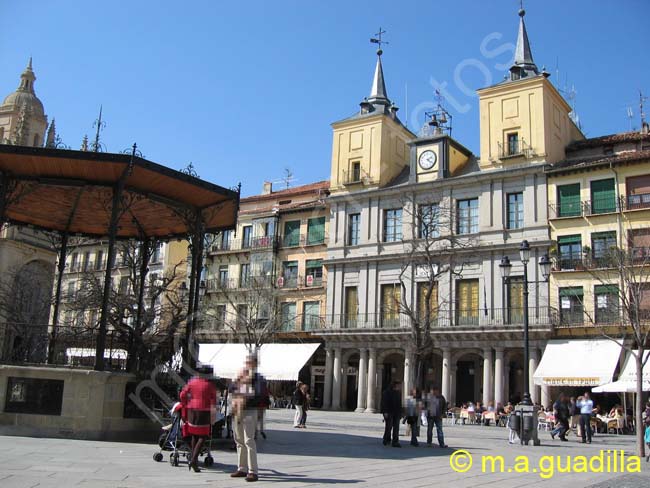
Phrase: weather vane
{"type": "Point", "coordinates": [377, 40]}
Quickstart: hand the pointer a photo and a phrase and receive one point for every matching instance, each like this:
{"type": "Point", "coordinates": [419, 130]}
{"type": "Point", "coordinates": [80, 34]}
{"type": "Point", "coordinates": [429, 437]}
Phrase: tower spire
{"type": "Point", "coordinates": [27, 78]}
{"type": "Point", "coordinates": [523, 65]}
{"type": "Point", "coordinates": [378, 101]}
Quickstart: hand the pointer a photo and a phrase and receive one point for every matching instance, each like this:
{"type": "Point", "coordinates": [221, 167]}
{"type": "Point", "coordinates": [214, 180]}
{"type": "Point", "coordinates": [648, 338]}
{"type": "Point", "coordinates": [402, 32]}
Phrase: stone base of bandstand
{"type": "Point", "coordinates": [92, 406]}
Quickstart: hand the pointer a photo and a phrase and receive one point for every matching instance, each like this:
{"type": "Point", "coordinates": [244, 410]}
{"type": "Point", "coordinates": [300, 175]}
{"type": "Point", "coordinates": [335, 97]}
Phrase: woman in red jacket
{"type": "Point", "coordinates": [199, 399]}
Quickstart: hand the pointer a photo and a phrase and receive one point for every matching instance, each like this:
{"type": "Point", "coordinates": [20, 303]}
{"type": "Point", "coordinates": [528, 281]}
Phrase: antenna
{"type": "Point", "coordinates": [287, 179]}
{"type": "Point", "coordinates": [644, 124]}
{"type": "Point", "coordinates": [630, 116]}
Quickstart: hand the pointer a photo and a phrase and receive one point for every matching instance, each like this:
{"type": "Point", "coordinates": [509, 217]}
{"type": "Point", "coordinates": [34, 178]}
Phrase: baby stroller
{"type": "Point", "coordinates": [172, 440]}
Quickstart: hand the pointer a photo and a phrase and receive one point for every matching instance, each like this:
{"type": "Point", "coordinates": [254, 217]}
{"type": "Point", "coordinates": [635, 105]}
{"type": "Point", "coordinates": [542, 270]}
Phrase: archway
{"type": "Point", "coordinates": [469, 377]}
{"type": "Point", "coordinates": [350, 376]}
{"type": "Point", "coordinates": [515, 385]}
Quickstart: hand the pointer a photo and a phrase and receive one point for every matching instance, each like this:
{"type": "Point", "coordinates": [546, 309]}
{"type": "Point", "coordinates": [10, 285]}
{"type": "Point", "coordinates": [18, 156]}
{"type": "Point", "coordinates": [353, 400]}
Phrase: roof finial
{"type": "Point", "coordinates": [377, 40]}
{"type": "Point", "coordinates": [522, 12]}
{"type": "Point", "coordinates": [29, 65]}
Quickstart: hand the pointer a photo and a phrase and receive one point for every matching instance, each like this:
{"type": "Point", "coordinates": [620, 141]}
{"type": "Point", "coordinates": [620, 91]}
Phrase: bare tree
{"type": "Point", "coordinates": [433, 248]}
{"type": "Point", "coordinates": [621, 311]}
{"type": "Point", "coordinates": [145, 310]}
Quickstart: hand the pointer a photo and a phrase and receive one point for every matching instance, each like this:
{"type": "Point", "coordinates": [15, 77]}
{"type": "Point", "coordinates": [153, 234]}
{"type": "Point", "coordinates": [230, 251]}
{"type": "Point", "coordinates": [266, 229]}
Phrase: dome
{"type": "Point", "coordinates": [25, 95]}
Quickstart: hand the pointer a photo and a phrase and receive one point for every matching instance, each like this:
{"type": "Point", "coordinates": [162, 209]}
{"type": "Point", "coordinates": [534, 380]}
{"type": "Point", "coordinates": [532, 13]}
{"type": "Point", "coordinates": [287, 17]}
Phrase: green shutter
{"type": "Point", "coordinates": [606, 290]}
{"type": "Point", "coordinates": [314, 263]}
{"type": "Point", "coordinates": [292, 233]}
{"type": "Point", "coordinates": [603, 196]}
{"type": "Point", "coordinates": [577, 239]}
{"type": "Point", "coordinates": [573, 291]}
{"type": "Point", "coordinates": [569, 198]}
{"type": "Point", "coordinates": [316, 230]}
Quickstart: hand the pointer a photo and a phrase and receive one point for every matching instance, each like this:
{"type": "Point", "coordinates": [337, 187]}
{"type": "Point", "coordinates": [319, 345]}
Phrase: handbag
{"type": "Point", "coordinates": [423, 418]}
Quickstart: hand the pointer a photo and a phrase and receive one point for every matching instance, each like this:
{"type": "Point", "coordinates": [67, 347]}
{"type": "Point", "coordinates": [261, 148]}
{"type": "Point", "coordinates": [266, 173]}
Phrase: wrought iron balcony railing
{"type": "Point", "coordinates": [234, 245]}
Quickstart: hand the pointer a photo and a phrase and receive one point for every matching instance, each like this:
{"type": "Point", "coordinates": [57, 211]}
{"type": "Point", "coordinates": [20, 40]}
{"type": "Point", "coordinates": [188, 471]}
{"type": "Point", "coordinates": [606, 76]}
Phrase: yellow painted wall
{"type": "Point", "coordinates": [535, 110]}
{"type": "Point", "coordinates": [378, 142]}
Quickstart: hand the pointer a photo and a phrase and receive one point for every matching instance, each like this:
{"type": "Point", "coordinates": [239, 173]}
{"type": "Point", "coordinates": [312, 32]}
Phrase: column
{"type": "Point", "coordinates": [452, 385]}
{"type": "Point", "coordinates": [336, 380]}
{"type": "Point", "coordinates": [327, 390]}
{"type": "Point", "coordinates": [372, 381]}
{"type": "Point", "coordinates": [546, 396]}
{"type": "Point", "coordinates": [487, 376]}
{"type": "Point", "coordinates": [362, 381]}
{"type": "Point", "coordinates": [446, 373]}
{"type": "Point", "coordinates": [532, 366]}
{"type": "Point", "coordinates": [506, 383]}
{"type": "Point", "coordinates": [498, 376]}
{"type": "Point", "coordinates": [406, 385]}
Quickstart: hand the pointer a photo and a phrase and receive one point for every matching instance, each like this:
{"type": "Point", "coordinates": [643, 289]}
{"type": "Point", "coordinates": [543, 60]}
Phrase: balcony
{"type": "Point", "coordinates": [355, 177]}
{"type": "Point", "coordinates": [633, 255]}
{"type": "Point", "coordinates": [495, 317]}
{"type": "Point", "coordinates": [300, 282]}
{"type": "Point", "coordinates": [637, 202]}
{"type": "Point", "coordinates": [589, 208]}
{"type": "Point", "coordinates": [303, 240]}
{"type": "Point", "coordinates": [238, 245]}
{"type": "Point", "coordinates": [515, 149]}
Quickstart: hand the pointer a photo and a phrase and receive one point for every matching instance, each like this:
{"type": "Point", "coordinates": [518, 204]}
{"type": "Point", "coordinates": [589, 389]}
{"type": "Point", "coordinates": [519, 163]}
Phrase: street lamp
{"type": "Point", "coordinates": [506, 267]}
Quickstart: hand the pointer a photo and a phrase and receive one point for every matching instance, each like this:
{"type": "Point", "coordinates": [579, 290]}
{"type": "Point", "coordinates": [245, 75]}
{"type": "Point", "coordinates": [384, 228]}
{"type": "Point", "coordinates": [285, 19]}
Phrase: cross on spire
{"type": "Point", "coordinates": [377, 40]}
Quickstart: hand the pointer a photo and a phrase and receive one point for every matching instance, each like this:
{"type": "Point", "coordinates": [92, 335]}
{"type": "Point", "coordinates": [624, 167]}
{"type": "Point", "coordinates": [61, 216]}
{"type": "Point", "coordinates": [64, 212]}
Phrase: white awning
{"type": "Point", "coordinates": [577, 363]}
{"type": "Point", "coordinates": [627, 379]}
{"type": "Point", "coordinates": [276, 361]}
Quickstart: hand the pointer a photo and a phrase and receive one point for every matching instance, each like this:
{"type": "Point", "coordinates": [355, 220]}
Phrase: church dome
{"type": "Point", "coordinates": [25, 95]}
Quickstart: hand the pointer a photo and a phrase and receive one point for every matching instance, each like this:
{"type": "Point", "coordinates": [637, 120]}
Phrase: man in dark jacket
{"type": "Point", "coordinates": [436, 410]}
{"type": "Point", "coordinates": [391, 408]}
{"type": "Point", "coordinates": [561, 411]}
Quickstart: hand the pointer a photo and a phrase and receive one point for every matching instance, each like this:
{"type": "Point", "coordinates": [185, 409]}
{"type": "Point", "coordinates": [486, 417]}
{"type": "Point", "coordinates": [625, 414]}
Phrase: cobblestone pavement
{"type": "Point", "coordinates": [337, 448]}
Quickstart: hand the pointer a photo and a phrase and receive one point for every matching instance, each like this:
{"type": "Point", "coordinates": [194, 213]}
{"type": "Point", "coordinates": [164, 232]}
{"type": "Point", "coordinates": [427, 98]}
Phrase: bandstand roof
{"type": "Point", "coordinates": [66, 190]}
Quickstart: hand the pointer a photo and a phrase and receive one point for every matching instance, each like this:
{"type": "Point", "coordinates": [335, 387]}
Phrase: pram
{"type": "Point", "coordinates": [172, 440]}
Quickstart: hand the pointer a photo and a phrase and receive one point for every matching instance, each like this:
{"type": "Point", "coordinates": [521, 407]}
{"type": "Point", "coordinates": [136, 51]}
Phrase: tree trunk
{"type": "Point", "coordinates": [638, 407]}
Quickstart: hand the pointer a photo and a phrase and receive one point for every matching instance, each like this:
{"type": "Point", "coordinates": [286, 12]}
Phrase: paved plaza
{"type": "Point", "coordinates": [337, 448]}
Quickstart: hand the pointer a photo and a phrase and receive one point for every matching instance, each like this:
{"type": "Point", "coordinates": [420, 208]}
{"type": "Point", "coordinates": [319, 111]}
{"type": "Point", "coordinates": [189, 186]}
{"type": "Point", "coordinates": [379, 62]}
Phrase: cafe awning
{"type": "Point", "coordinates": [281, 362]}
{"type": "Point", "coordinates": [578, 363]}
{"type": "Point", "coordinates": [626, 382]}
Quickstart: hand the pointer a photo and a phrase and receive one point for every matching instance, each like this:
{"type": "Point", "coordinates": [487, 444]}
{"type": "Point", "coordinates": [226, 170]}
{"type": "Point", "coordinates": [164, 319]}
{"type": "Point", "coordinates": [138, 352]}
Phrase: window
{"type": "Point", "coordinates": [247, 234]}
{"type": "Point", "coordinates": [638, 192]}
{"type": "Point", "coordinates": [123, 286]}
{"type": "Point", "coordinates": [71, 290]}
{"type": "Point", "coordinates": [467, 306]}
{"type": "Point", "coordinates": [602, 244]}
{"type": "Point", "coordinates": [639, 245]}
{"type": "Point", "coordinates": [467, 216]}
{"type": "Point", "coordinates": [223, 276]}
{"type": "Point", "coordinates": [429, 221]}
{"type": "Point", "coordinates": [354, 230]}
{"type": "Point", "coordinates": [156, 255]}
{"type": "Point", "coordinates": [314, 268]}
{"type": "Point", "coordinates": [311, 315]}
{"type": "Point", "coordinates": [290, 274]}
{"type": "Point", "coordinates": [568, 197]}
{"type": "Point", "coordinates": [355, 174]}
{"type": "Point", "coordinates": [34, 396]}
{"type": "Point", "coordinates": [603, 196]}
{"type": "Point", "coordinates": [99, 260]}
{"type": "Point", "coordinates": [570, 251]}
{"type": "Point", "coordinates": [606, 297]}
{"type": "Point", "coordinates": [74, 262]}
{"type": "Point", "coordinates": [242, 315]}
{"type": "Point", "coordinates": [86, 261]}
{"type": "Point", "coordinates": [315, 231]}
{"type": "Point", "coordinates": [515, 210]}
{"type": "Point", "coordinates": [391, 296]}
{"type": "Point", "coordinates": [244, 275]}
{"type": "Point", "coordinates": [513, 144]}
{"type": "Point", "coordinates": [292, 233]}
{"type": "Point", "coordinates": [515, 298]}
{"type": "Point", "coordinates": [351, 307]}
{"type": "Point", "coordinates": [423, 289]}
{"type": "Point", "coordinates": [220, 317]}
{"type": "Point", "coordinates": [226, 238]}
{"type": "Point", "coordinates": [571, 309]}
{"type": "Point", "coordinates": [393, 225]}
{"type": "Point", "coordinates": [288, 316]}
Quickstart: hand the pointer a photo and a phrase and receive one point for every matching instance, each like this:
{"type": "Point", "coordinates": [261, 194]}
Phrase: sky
{"type": "Point", "coordinates": [245, 90]}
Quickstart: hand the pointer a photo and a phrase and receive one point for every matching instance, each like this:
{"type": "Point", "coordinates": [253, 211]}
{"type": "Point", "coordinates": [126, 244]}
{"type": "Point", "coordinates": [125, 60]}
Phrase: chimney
{"type": "Point", "coordinates": [267, 188]}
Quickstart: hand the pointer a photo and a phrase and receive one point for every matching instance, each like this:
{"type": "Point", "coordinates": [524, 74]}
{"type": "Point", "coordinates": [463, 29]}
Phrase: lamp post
{"type": "Point", "coordinates": [506, 267]}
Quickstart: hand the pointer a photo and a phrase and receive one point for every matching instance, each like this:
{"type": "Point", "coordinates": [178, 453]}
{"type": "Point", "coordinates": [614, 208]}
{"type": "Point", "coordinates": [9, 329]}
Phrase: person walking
{"type": "Point", "coordinates": [199, 399]}
{"type": "Point", "coordinates": [305, 405]}
{"type": "Point", "coordinates": [561, 411]}
{"type": "Point", "coordinates": [391, 408]}
{"type": "Point", "coordinates": [298, 400]}
{"type": "Point", "coordinates": [250, 392]}
{"type": "Point", "coordinates": [586, 406]}
{"type": "Point", "coordinates": [436, 407]}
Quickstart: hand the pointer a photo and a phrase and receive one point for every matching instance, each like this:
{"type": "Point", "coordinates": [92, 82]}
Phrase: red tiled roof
{"type": "Point", "coordinates": [608, 139]}
{"type": "Point", "coordinates": [289, 192]}
{"type": "Point", "coordinates": [600, 160]}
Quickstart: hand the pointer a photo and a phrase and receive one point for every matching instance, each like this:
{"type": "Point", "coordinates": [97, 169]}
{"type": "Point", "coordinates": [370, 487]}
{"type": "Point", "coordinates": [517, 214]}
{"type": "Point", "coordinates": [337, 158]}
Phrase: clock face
{"type": "Point", "coordinates": [427, 160]}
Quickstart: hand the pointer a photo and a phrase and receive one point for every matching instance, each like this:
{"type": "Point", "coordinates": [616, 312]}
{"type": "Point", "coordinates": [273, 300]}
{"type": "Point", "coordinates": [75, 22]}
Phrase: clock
{"type": "Point", "coordinates": [427, 160]}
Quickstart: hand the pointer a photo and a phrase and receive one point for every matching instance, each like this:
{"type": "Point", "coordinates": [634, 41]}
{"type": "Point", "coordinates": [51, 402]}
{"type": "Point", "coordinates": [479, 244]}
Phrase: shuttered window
{"type": "Point", "coordinates": [316, 231]}
{"type": "Point", "coordinates": [603, 196]}
{"type": "Point", "coordinates": [291, 233]}
{"type": "Point", "coordinates": [571, 305]}
{"type": "Point", "coordinates": [568, 197]}
{"type": "Point", "coordinates": [467, 302]}
{"type": "Point", "coordinates": [607, 310]}
{"type": "Point", "coordinates": [638, 191]}
{"type": "Point", "coordinates": [570, 251]}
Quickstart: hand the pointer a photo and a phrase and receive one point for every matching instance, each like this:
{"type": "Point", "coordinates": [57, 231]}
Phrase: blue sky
{"type": "Point", "coordinates": [247, 89]}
